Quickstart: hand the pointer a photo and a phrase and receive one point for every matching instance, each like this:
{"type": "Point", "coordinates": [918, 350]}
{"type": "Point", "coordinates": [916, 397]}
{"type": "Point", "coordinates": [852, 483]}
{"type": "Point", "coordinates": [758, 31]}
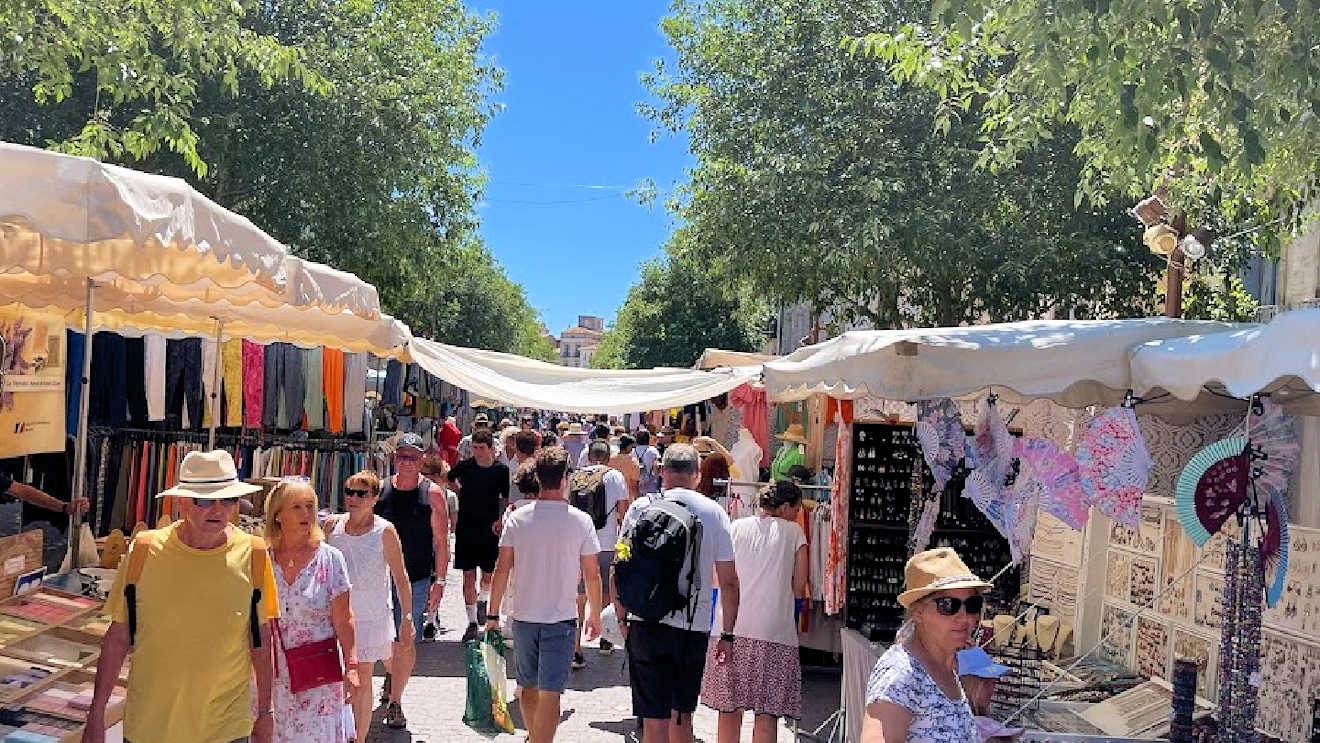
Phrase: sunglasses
{"type": "Point", "coordinates": [949, 605]}
{"type": "Point", "coordinates": [208, 502]}
{"type": "Point", "coordinates": [356, 493]}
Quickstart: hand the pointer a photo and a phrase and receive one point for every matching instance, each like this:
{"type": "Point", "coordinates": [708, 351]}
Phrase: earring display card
{"type": "Point", "coordinates": [1209, 611]}
{"type": "Point", "coordinates": [1141, 586]}
{"type": "Point", "coordinates": [1178, 557]}
{"type": "Point", "coordinates": [1149, 534]}
{"type": "Point", "coordinates": [1117, 575]}
{"type": "Point", "coordinates": [1299, 609]}
{"type": "Point", "coordinates": [1055, 540]}
{"type": "Point", "coordinates": [1289, 685]}
{"type": "Point", "coordinates": [1152, 648]}
{"type": "Point", "coordinates": [1116, 626]}
{"type": "Point", "coordinates": [1204, 652]}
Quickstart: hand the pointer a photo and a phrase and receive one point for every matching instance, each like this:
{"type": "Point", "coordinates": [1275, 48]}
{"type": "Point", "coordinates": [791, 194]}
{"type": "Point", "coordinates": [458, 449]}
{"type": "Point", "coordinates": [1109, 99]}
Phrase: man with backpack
{"type": "Point", "coordinates": [602, 493]}
{"type": "Point", "coordinates": [192, 604]}
{"type": "Point", "coordinates": [671, 546]}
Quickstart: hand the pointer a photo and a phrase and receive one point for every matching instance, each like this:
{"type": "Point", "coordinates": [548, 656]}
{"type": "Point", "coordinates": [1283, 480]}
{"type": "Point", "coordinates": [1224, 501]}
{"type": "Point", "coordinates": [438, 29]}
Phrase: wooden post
{"type": "Point", "coordinates": [1173, 282]}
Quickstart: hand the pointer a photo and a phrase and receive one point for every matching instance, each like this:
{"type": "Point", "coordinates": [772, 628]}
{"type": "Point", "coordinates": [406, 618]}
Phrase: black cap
{"type": "Point", "coordinates": [410, 441]}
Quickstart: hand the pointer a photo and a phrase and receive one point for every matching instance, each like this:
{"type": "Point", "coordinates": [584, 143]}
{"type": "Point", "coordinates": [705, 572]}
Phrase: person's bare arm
{"type": "Point", "coordinates": [399, 574]}
{"type": "Point", "coordinates": [114, 648]}
{"type": "Point", "coordinates": [341, 618]}
{"type": "Point", "coordinates": [728, 579]}
{"type": "Point", "coordinates": [885, 722]}
{"type": "Point", "coordinates": [591, 576]}
{"type": "Point", "coordinates": [262, 667]}
{"type": "Point", "coordinates": [440, 532]}
{"type": "Point", "coordinates": [734, 472]}
{"type": "Point", "coordinates": [498, 585]}
{"type": "Point", "coordinates": [40, 499]}
{"type": "Point", "coordinates": [801, 571]}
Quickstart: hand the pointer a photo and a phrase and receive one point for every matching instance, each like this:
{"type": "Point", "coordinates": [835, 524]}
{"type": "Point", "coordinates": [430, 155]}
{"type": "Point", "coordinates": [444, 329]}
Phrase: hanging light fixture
{"type": "Point", "coordinates": [1194, 246]}
{"type": "Point", "coordinates": [1160, 238]}
{"type": "Point", "coordinates": [1150, 210]}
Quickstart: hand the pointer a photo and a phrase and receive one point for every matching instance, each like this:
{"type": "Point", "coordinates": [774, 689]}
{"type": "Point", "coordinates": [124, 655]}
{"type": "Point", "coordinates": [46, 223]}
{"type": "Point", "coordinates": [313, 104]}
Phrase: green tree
{"type": "Point", "coordinates": [820, 180]}
{"type": "Point", "coordinates": [128, 73]}
{"type": "Point", "coordinates": [675, 311]}
{"type": "Point", "coordinates": [1215, 100]}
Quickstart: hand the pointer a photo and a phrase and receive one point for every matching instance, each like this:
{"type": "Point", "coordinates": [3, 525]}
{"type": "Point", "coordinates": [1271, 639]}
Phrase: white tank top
{"type": "Point", "coordinates": [367, 571]}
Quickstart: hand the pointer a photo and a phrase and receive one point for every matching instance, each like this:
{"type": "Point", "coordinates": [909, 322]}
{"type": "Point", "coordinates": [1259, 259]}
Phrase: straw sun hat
{"type": "Point", "coordinates": [934, 570]}
{"type": "Point", "coordinates": [209, 474]}
{"type": "Point", "coordinates": [794, 433]}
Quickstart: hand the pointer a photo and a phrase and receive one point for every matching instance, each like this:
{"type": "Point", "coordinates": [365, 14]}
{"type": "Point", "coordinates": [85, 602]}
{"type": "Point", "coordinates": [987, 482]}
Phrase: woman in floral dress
{"type": "Point", "coordinates": [312, 578]}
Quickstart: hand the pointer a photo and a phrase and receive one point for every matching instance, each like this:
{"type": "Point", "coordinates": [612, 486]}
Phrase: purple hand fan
{"type": "Point", "coordinates": [939, 430]}
{"type": "Point", "coordinates": [1275, 448]}
{"type": "Point", "coordinates": [1052, 478]}
{"type": "Point", "coordinates": [992, 449]}
{"type": "Point", "coordinates": [1114, 466]}
{"type": "Point", "coordinates": [1274, 547]}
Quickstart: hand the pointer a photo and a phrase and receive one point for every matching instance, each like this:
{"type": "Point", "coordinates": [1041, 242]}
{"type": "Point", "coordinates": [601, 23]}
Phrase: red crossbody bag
{"type": "Point", "coordinates": [311, 665]}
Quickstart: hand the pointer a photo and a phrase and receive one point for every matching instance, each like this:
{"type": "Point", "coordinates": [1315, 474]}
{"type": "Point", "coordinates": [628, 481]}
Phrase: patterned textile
{"type": "Point", "coordinates": [836, 583]}
{"type": "Point", "coordinates": [939, 430]}
{"type": "Point", "coordinates": [1012, 512]}
{"type": "Point", "coordinates": [755, 416]}
{"type": "Point", "coordinates": [1273, 433]}
{"type": "Point", "coordinates": [254, 378]}
{"type": "Point", "coordinates": [1114, 465]}
{"type": "Point", "coordinates": [899, 679]}
{"type": "Point", "coordinates": [762, 676]}
{"type": "Point", "coordinates": [315, 715]}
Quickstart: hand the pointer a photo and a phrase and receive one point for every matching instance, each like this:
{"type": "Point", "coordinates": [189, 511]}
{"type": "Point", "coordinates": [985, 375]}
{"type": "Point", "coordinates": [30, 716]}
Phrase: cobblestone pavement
{"type": "Point", "coordinates": [596, 706]}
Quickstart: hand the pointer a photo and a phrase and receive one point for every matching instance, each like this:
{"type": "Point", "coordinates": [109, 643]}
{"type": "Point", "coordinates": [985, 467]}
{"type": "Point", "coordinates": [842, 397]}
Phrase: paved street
{"type": "Point", "coordinates": [596, 706]}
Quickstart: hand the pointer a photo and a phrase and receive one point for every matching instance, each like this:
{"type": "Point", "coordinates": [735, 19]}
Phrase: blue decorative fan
{"type": "Point", "coordinates": [1212, 486]}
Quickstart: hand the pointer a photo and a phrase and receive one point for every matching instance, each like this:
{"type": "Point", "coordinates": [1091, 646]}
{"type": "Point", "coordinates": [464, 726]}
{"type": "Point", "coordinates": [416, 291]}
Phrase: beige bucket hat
{"type": "Point", "coordinates": [940, 569]}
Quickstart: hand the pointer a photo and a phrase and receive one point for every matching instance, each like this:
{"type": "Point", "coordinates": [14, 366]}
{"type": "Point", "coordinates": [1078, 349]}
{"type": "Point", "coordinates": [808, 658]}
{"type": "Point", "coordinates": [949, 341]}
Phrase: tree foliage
{"type": "Point", "coordinates": [372, 169]}
{"type": "Point", "coordinates": [818, 179]}
{"type": "Point", "coordinates": [676, 310]}
{"type": "Point", "coordinates": [1216, 100]}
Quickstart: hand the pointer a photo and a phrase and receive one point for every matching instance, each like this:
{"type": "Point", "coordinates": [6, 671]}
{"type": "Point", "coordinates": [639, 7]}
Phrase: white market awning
{"type": "Point", "coordinates": [1281, 358]}
{"type": "Point", "coordinates": [523, 382]}
{"type": "Point", "coordinates": [1073, 362]}
{"type": "Point", "coordinates": [714, 358]}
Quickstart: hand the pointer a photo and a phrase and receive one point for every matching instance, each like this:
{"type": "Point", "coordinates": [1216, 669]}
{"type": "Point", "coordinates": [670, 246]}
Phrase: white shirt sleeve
{"type": "Point", "coordinates": [591, 544]}
{"type": "Point", "coordinates": [724, 539]}
{"type": "Point", "coordinates": [616, 490]}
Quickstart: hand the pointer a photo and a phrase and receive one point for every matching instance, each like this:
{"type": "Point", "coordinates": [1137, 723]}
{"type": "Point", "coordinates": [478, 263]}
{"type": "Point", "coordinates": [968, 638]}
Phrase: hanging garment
{"type": "Point", "coordinates": [355, 390]}
{"type": "Point", "coordinates": [392, 392]}
{"type": "Point", "coordinates": [210, 350]}
{"type": "Point", "coordinates": [332, 379]}
{"type": "Point", "coordinates": [836, 583]}
{"type": "Point", "coordinates": [154, 371]}
{"type": "Point", "coordinates": [313, 391]}
{"type": "Point", "coordinates": [183, 380]}
{"type": "Point", "coordinates": [254, 388]}
{"type": "Point", "coordinates": [106, 401]}
{"type": "Point", "coordinates": [73, 380]}
{"type": "Point", "coordinates": [756, 416]}
{"type": "Point", "coordinates": [231, 356]}
{"type": "Point", "coordinates": [135, 381]}
{"type": "Point", "coordinates": [273, 383]}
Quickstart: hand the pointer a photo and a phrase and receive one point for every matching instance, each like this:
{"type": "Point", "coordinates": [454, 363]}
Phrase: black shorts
{"type": "Point", "coordinates": [665, 665]}
{"type": "Point", "coordinates": [474, 551]}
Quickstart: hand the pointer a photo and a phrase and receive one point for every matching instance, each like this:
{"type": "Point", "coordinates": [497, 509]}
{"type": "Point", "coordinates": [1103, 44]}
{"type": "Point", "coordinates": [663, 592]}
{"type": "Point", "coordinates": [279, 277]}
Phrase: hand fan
{"type": "Point", "coordinates": [1274, 547]}
{"type": "Point", "coordinates": [1113, 464]}
{"type": "Point", "coordinates": [1052, 478]}
{"type": "Point", "coordinates": [992, 446]}
{"type": "Point", "coordinates": [939, 431]}
{"type": "Point", "coordinates": [1212, 486]}
{"type": "Point", "coordinates": [1275, 448]}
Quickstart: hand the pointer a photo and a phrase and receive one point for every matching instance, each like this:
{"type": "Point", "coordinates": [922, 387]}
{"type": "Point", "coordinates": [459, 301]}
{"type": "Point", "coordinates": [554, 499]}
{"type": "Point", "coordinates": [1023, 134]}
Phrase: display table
{"type": "Point", "coordinates": [859, 657]}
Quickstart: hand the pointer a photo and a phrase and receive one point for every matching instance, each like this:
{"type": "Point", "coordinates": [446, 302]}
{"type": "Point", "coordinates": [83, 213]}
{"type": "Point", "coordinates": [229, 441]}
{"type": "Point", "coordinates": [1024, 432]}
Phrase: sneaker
{"type": "Point", "coordinates": [471, 633]}
{"type": "Point", "coordinates": [606, 647]}
{"type": "Point", "coordinates": [481, 612]}
{"type": "Point", "coordinates": [385, 691]}
{"type": "Point", "coordinates": [394, 717]}
{"type": "Point", "coordinates": [429, 630]}
{"type": "Point", "coordinates": [579, 661]}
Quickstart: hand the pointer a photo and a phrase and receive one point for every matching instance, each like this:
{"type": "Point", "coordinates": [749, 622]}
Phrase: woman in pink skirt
{"type": "Point", "coordinates": [761, 672]}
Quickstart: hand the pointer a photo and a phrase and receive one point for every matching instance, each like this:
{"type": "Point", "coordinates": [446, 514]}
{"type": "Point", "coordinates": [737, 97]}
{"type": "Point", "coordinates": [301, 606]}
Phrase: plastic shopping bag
{"type": "Point", "coordinates": [487, 709]}
{"type": "Point", "coordinates": [492, 652]}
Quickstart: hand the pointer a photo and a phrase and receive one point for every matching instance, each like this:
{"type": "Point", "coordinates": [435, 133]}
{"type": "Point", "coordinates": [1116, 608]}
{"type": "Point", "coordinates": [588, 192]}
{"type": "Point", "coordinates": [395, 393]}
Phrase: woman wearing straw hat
{"type": "Point", "coordinates": [914, 695]}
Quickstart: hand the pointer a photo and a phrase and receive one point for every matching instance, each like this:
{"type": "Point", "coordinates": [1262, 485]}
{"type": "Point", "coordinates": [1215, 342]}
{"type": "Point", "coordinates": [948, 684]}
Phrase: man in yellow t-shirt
{"type": "Point", "coordinates": [193, 659]}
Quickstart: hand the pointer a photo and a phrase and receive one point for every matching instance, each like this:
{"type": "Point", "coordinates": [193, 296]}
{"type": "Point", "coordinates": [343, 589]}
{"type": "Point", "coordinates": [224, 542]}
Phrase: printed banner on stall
{"type": "Point", "coordinates": [31, 382]}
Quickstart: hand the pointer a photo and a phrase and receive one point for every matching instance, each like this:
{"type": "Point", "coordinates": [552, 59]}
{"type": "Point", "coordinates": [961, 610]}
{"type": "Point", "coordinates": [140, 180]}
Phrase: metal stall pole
{"type": "Point", "coordinates": [215, 385]}
{"type": "Point", "coordinates": [80, 446]}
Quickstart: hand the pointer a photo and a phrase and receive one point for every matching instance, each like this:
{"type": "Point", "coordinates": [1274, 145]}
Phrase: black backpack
{"type": "Point", "coordinates": [586, 492]}
{"type": "Point", "coordinates": [657, 574]}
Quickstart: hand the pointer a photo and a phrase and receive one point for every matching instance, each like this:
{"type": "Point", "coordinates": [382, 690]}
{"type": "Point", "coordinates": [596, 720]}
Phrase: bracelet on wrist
{"type": "Point", "coordinates": [727, 637]}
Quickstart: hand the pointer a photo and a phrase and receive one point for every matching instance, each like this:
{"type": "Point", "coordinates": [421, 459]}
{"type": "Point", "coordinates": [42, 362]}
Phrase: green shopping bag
{"type": "Point", "coordinates": [487, 708]}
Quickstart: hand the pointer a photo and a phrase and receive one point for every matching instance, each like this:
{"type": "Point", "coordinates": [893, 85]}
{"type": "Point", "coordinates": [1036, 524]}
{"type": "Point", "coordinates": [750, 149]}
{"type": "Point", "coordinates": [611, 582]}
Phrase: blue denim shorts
{"type": "Point", "coordinates": [420, 589]}
{"type": "Point", "coordinates": [544, 653]}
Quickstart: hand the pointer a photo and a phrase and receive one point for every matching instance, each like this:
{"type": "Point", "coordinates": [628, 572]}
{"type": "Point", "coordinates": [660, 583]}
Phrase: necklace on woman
{"type": "Point", "coordinates": [294, 557]}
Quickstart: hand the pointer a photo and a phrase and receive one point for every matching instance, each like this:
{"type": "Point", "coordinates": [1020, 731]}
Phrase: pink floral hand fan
{"type": "Point", "coordinates": [1051, 477]}
{"type": "Point", "coordinates": [939, 430]}
{"type": "Point", "coordinates": [1114, 465]}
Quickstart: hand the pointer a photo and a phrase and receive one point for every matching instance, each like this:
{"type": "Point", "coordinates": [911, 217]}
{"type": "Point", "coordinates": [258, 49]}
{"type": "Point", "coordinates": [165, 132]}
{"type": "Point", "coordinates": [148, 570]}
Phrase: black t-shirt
{"type": "Point", "coordinates": [6, 482]}
{"type": "Point", "coordinates": [480, 493]}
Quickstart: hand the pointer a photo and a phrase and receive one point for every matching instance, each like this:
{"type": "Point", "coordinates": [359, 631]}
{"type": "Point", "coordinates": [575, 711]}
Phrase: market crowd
{"type": "Point", "coordinates": [553, 522]}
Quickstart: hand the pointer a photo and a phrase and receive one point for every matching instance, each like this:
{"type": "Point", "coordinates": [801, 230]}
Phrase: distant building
{"type": "Point", "coordinates": [579, 343]}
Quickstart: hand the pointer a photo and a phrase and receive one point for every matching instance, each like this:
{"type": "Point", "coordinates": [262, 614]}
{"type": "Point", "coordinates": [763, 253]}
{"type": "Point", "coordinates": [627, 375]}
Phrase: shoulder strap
{"type": "Point", "coordinates": [137, 559]}
{"type": "Point", "coordinates": [260, 565]}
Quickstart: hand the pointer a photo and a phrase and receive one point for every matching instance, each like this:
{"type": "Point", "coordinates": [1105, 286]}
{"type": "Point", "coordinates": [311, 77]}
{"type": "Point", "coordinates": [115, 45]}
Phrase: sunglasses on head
{"type": "Point", "coordinates": [949, 605]}
{"type": "Point", "coordinates": [357, 493]}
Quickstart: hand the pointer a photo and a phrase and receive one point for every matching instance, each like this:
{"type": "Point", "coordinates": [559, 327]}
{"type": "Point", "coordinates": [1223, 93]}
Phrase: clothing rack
{"type": "Point", "coordinates": [724, 482]}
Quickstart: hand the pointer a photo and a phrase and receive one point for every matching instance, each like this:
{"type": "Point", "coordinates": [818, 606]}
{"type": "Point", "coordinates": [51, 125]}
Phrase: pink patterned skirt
{"type": "Point", "coordinates": [761, 676]}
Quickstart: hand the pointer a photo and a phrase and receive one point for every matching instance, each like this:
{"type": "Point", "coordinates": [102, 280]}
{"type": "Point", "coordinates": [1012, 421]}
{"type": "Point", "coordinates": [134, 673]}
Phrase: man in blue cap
{"type": "Point", "coordinates": [978, 673]}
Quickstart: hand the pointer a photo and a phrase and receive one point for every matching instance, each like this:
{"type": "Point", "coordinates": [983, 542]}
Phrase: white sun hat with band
{"type": "Point", "coordinates": [940, 569]}
{"type": "Point", "coordinates": [209, 474]}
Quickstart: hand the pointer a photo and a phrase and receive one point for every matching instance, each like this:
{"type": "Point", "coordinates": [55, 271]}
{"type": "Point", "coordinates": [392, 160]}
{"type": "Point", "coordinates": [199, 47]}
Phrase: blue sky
{"type": "Point", "coordinates": [569, 120]}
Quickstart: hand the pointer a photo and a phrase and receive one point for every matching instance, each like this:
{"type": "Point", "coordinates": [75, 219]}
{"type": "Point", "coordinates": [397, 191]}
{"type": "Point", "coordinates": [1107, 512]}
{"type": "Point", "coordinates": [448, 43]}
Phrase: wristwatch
{"type": "Point", "coordinates": [726, 637]}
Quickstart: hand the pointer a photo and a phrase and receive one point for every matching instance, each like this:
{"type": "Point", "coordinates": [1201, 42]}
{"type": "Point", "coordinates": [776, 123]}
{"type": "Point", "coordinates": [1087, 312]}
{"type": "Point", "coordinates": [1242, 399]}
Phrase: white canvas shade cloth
{"type": "Point", "coordinates": [523, 382]}
{"type": "Point", "coordinates": [1280, 358]}
{"type": "Point", "coordinates": [1072, 362]}
{"type": "Point", "coordinates": [714, 358]}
